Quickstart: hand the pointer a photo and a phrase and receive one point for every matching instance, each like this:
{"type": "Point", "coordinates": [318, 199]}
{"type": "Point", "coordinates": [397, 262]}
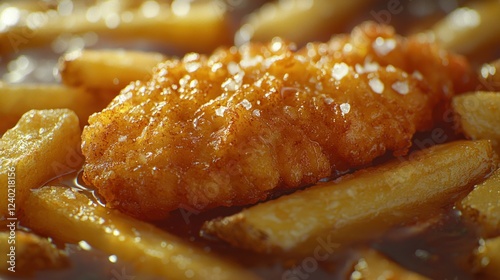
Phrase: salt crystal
{"type": "Point", "coordinates": [359, 68]}
{"type": "Point", "coordinates": [192, 66]}
{"type": "Point", "coordinates": [328, 100]}
{"type": "Point", "coordinates": [216, 67]}
{"type": "Point", "coordinates": [376, 85]}
{"type": "Point", "coordinates": [401, 87]}
{"type": "Point", "coordinates": [347, 47]}
{"type": "Point", "coordinates": [339, 71]}
{"type": "Point", "coordinates": [384, 46]}
{"type": "Point", "coordinates": [245, 103]}
{"type": "Point", "coordinates": [390, 68]}
{"type": "Point", "coordinates": [248, 61]}
{"type": "Point", "coordinates": [371, 66]}
{"type": "Point", "coordinates": [220, 111]}
{"type": "Point", "coordinates": [345, 108]}
{"type": "Point", "coordinates": [68, 193]}
{"type": "Point", "coordinates": [417, 75]}
{"type": "Point", "coordinates": [233, 68]}
{"type": "Point", "coordinates": [229, 85]}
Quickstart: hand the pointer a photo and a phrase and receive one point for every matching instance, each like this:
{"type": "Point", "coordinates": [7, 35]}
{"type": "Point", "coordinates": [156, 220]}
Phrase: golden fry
{"type": "Point", "coordinates": [360, 206]}
{"type": "Point", "coordinates": [160, 23]}
{"type": "Point", "coordinates": [43, 145]}
{"type": "Point", "coordinates": [374, 266]}
{"type": "Point", "coordinates": [15, 100]}
{"type": "Point", "coordinates": [31, 252]}
{"type": "Point", "coordinates": [468, 29]}
{"type": "Point", "coordinates": [298, 21]}
{"type": "Point", "coordinates": [109, 70]}
{"type": "Point", "coordinates": [478, 115]}
{"type": "Point", "coordinates": [483, 204]}
{"type": "Point", "coordinates": [148, 248]}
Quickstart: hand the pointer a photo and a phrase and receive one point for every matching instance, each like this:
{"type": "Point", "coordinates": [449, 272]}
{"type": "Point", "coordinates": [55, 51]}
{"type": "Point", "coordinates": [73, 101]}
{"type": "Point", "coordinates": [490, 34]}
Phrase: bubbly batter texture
{"type": "Point", "coordinates": [230, 128]}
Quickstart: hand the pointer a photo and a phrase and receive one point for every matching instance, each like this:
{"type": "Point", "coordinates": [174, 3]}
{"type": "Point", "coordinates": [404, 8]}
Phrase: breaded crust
{"type": "Point", "coordinates": [230, 128]}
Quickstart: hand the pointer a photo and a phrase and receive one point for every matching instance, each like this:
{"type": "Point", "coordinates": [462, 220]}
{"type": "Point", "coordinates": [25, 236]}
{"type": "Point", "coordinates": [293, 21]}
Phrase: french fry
{"type": "Point", "coordinates": [149, 249]}
{"type": "Point", "coordinates": [15, 100]}
{"type": "Point", "coordinates": [109, 70]}
{"type": "Point", "coordinates": [31, 253]}
{"type": "Point", "coordinates": [298, 21]}
{"type": "Point", "coordinates": [488, 258]}
{"type": "Point", "coordinates": [467, 29]}
{"type": "Point", "coordinates": [373, 266]}
{"type": "Point", "coordinates": [360, 206]}
{"type": "Point", "coordinates": [43, 145]}
{"type": "Point", "coordinates": [199, 26]}
{"type": "Point", "coordinates": [483, 205]}
{"type": "Point", "coordinates": [478, 115]}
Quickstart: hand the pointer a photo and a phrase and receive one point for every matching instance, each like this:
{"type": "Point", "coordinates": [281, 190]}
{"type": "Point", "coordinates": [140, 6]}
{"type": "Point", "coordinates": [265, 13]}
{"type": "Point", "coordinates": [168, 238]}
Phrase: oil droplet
{"type": "Point", "coordinates": [276, 45]}
{"type": "Point", "coordinates": [488, 70]}
{"type": "Point", "coordinates": [465, 18]}
{"type": "Point", "coordinates": [189, 273]}
{"type": "Point", "coordinates": [347, 47]}
{"type": "Point", "coordinates": [84, 245]}
{"type": "Point", "coordinates": [113, 258]}
{"type": "Point", "coordinates": [10, 16]}
{"type": "Point", "coordinates": [180, 7]}
{"type": "Point", "coordinates": [150, 9]}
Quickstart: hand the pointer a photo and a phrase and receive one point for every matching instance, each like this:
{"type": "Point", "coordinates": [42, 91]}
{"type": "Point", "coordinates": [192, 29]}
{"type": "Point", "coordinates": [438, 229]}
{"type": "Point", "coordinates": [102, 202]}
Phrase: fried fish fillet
{"type": "Point", "coordinates": [230, 128]}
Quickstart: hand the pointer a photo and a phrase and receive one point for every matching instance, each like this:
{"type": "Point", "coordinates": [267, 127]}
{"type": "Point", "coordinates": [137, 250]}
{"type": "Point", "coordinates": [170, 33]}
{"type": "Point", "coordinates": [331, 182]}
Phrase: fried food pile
{"type": "Point", "coordinates": [231, 128]}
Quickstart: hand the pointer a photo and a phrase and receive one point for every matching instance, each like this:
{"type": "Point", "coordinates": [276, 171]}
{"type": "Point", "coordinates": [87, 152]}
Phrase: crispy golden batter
{"type": "Point", "coordinates": [229, 128]}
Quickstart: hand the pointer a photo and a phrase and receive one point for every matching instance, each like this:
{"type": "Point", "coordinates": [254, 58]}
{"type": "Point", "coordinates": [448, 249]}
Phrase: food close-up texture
{"type": "Point", "coordinates": [227, 129]}
{"type": "Point", "coordinates": [239, 139]}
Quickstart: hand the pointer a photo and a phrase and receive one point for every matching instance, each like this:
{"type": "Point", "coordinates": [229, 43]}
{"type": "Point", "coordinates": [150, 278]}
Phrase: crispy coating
{"type": "Point", "coordinates": [230, 128]}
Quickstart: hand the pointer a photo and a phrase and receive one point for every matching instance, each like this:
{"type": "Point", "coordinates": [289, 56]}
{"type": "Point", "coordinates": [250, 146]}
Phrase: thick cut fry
{"type": "Point", "coordinates": [298, 21]}
{"type": "Point", "coordinates": [488, 258]}
{"type": "Point", "coordinates": [15, 100]}
{"type": "Point", "coordinates": [359, 206]}
{"type": "Point", "coordinates": [374, 266]}
{"type": "Point", "coordinates": [43, 145]}
{"type": "Point", "coordinates": [483, 205]}
{"type": "Point", "coordinates": [170, 25]}
{"type": "Point", "coordinates": [478, 115]}
{"type": "Point", "coordinates": [31, 253]}
{"type": "Point", "coordinates": [151, 250]}
{"type": "Point", "coordinates": [466, 30]}
{"type": "Point", "coordinates": [109, 70]}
